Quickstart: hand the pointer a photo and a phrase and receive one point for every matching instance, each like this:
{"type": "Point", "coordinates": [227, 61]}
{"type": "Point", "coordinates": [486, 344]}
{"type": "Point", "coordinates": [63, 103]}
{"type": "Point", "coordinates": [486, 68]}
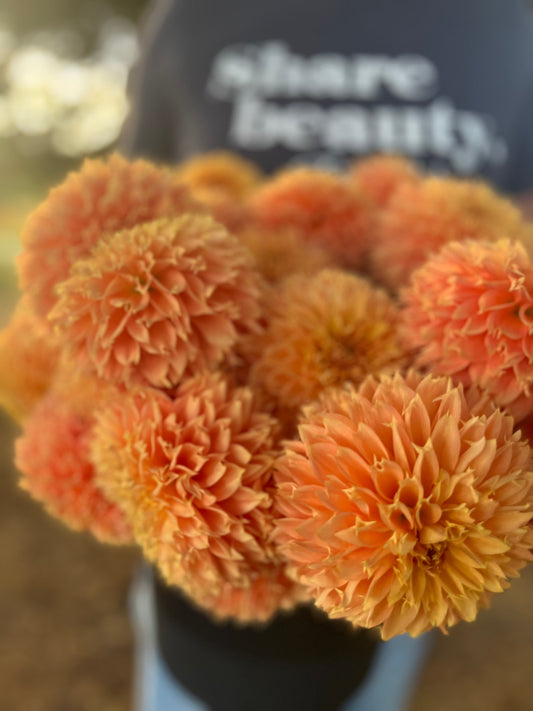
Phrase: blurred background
{"type": "Point", "coordinates": [64, 65]}
{"type": "Point", "coordinates": [65, 638]}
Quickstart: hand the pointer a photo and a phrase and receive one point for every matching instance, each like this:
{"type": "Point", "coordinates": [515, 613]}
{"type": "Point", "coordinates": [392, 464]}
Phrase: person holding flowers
{"type": "Point", "coordinates": [305, 396]}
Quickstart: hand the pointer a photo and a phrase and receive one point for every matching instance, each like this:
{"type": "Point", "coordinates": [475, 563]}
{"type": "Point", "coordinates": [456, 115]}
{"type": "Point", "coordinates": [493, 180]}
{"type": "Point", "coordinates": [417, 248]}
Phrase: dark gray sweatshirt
{"type": "Point", "coordinates": [447, 83]}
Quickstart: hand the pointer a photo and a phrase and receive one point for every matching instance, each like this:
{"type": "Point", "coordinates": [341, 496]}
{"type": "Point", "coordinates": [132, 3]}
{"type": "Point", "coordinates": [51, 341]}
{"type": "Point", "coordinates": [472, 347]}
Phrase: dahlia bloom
{"type": "Point", "coordinates": [192, 474]}
{"type": "Point", "coordinates": [220, 171]}
{"type": "Point", "coordinates": [221, 181]}
{"type": "Point", "coordinates": [268, 591]}
{"type": "Point", "coordinates": [406, 503]}
{"type": "Point", "coordinates": [469, 310]}
{"type": "Point", "coordinates": [53, 456]}
{"type": "Point", "coordinates": [379, 176]}
{"type": "Point", "coordinates": [326, 209]}
{"type": "Point", "coordinates": [28, 358]}
{"type": "Point", "coordinates": [279, 253]}
{"type": "Point", "coordinates": [422, 217]}
{"type": "Point", "coordinates": [102, 198]}
{"type": "Point", "coordinates": [157, 302]}
{"type": "Point", "coordinates": [324, 330]}
{"type": "Point", "coordinates": [231, 213]}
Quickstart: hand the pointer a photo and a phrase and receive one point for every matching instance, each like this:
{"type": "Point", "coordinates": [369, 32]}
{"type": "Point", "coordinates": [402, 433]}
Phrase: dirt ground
{"type": "Point", "coordinates": [66, 643]}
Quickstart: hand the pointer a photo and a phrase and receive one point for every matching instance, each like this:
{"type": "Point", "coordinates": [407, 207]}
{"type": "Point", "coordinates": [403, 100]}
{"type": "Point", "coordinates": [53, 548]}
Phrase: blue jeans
{"type": "Point", "coordinates": [388, 687]}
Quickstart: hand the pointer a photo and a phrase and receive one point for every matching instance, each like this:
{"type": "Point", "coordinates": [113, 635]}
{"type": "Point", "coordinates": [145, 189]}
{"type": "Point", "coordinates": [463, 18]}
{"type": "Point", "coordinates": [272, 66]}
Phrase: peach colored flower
{"type": "Point", "coordinates": [469, 310]}
{"type": "Point", "coordinates": [157, 302]}
{"type": "Point", "coordinates": [220, 171]}
{"type": "Point", "coordinates": [231, 213]}
{"type": "Point", "coordinates": [53, 456]}
{"type": "Point", "coordinates": [281, 252]}
{"type": "Point", "coordinates": [422, 217]}
{"type": "Point", "coordinates": [323, 330]}
{"type": "Point", "coordinates": [267, 592]}
{"type": "Point", "coordinates": [379, 176]}
{"type": "Point", "coordinates": [28, 358]}
{"type": "Point", "coordinates": [102, 198]}
{"type": "Point", "coordinates": [83, 392]}
{"type": "Point", "coordinates": [221, 181]}
{"type": "Point", "coordinates": [193, 475]}
{"type": "Point", "coordinates": [326, 209]}
{"type": "Point", "coordinates": [406, 503]}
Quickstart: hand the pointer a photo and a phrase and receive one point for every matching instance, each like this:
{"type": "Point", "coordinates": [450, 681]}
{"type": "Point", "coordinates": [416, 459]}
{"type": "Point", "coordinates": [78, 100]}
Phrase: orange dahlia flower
{"type": "Point", "coordinates": [231, 213]}
{"type": "Point", "coordinates": [469, 310]}
{"type": "Point", "coordinates": [279, 253]}
{"type": "Point", "coordinates": [159, 301]}
{"type": "Point", "coordinates": [28, 359]}
{"type": "Point", "coordinates": [324, 330]}
{"type": "Point", "coordinates": [221, 181]}
{"type": "Point", "coordinates": [220, 171]}
{"type": "Point", "coordinates": [102, 198]}
{"type": "Point", "coordinates": [422, 217]}
{"type": "Point", "coordinates": [406, 503]}
{"type": "Point", "coordinates": [326, 209]}
{"type": "Point", "coordinates": [193, 475]}
{"type": "Point", "coordinates": [268, 591]}
{"type": "Point", "coordinates": [379, 176]}
{"type": "Point", "coordinates": [53, 456]}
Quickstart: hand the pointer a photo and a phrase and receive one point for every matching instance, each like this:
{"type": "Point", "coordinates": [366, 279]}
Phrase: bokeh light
{"type": "Point", "coordinates": [73, 101]}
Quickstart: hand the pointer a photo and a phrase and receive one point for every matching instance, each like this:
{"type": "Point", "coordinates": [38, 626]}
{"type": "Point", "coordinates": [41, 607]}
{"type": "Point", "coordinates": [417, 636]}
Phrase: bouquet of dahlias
{"type": "Point", "coordinates": [305, 388]}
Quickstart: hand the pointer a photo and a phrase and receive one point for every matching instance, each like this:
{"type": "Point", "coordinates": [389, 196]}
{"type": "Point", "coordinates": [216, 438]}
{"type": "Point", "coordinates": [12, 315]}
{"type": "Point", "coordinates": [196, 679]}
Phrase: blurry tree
{"type": "Point", "coordinates": [63, 72]}
{"type": "Point", "coordinates": [27, 15]}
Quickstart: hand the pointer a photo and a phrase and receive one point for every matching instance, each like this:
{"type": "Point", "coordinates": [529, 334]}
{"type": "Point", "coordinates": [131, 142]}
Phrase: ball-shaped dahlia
{"type": "Point", "coordinates": [326, 209]}
{"type": "Point", "coordinates": [159, 301]}
{"type": "Point", "coordinates": [324, 330]}
{"type": "Point", "coordinates": [29, 355]}
{"type": "Point", "coordinates": [422, 217]}
{"type": "Point", "coordinates": [469, 310]}
{"type": "Point", "coordinates": [279, 253]}
{"type": "Point", "coordinates": [231, 213]}
{"type": "Point", "coordinates": [406, 503]}
{"type": "Point", "coordinates": [268, 591]}
{"type": "Point", "coordinates": [220, 171]}
{"type": "Point", "coordinates": [53, 456]}
{"type": "Point", "coordinates": [379, 176]}
{"type": "Point", "coordinates": [192, 474]}
{"type": "Point", "coordinates": [102, 198]}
